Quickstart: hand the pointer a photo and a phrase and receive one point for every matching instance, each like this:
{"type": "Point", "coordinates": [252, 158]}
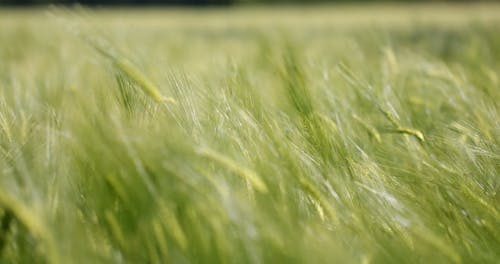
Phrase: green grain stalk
{"type": "Point", "coordinates": [371, 129]}
{"type": "Point", "coordinates": [232, 166]}
{"type": "Point", "coordinates": [134, 74]}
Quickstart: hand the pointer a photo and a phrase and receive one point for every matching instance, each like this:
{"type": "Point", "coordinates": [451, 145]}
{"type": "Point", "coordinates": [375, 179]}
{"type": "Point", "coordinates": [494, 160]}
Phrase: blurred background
{"type": "Point", "coordinates": [208, 2]}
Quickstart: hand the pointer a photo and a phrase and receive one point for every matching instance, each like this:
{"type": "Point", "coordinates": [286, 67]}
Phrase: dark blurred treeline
{"type": "Point", "coordinates": [116, 2]}
{"type": "Point", "coordinates": [199, 2]}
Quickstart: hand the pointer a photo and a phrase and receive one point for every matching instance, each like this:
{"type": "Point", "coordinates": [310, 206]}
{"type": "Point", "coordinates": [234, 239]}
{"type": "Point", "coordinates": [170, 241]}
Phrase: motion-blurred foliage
{"type": "Point", "coordinates": [302, 135]}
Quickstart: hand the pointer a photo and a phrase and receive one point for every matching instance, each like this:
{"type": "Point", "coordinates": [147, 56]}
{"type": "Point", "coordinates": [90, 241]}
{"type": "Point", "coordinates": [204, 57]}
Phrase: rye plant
{"type": "Point", "coordinates": [352, 135]}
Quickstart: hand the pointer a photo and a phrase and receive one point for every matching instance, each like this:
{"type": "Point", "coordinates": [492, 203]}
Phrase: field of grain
{"type": "Point", "coordinates": [325, 134]}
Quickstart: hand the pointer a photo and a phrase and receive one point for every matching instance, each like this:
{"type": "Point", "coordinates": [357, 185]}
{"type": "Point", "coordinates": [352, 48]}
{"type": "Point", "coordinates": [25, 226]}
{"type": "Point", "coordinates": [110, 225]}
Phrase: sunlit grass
{"type": "Point", "coordinates": [334, 134]}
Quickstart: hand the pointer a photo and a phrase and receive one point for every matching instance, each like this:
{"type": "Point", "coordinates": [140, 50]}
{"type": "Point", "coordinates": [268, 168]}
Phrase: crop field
{"type": "Point", "coordinates": [324, 134]}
